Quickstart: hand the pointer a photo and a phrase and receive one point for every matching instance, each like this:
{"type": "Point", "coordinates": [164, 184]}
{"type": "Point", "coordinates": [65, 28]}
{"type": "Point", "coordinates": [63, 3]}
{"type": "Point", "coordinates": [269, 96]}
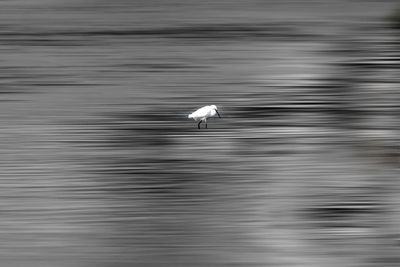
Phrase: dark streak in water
{"type": "Point", "coordinates": [213, 31]}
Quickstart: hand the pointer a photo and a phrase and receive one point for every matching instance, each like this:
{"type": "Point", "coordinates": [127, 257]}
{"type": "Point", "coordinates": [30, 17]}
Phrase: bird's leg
{"type": "Point", "coordinates": [206, 122]}
{"type": "Point", "coordinates": [198, 125]}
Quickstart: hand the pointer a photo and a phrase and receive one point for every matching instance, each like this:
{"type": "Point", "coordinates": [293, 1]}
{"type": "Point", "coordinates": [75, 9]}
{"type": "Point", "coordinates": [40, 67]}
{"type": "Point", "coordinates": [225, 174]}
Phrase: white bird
{"type": "Point", "coordinates": [203, 113]}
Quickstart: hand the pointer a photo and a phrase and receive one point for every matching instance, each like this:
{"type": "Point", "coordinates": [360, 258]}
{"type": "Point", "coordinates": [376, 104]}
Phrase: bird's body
{"type": "Point", "coordinates": [203, 113]}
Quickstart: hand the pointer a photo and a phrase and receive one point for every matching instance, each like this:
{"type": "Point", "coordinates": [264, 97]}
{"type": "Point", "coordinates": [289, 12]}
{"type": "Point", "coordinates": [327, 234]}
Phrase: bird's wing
{"type": "Point", "coordinates": [201, 112]}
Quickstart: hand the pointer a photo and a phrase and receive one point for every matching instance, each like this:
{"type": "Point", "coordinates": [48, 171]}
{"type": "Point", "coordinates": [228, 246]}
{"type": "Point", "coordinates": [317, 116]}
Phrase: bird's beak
{"type": "Point", "coordinates": [218, 113]}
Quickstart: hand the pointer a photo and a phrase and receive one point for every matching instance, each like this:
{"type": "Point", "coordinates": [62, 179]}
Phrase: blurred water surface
{"type": "Point", "coordinates": [101, 167]}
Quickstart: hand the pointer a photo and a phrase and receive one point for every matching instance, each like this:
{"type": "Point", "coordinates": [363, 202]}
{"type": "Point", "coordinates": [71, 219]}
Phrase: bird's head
{"type": "Point", "coordinates": [214, 107]}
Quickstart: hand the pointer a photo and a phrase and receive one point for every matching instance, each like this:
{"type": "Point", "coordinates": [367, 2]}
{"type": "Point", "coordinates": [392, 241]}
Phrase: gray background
{"type": "Point", "coordinates": [101, 167]}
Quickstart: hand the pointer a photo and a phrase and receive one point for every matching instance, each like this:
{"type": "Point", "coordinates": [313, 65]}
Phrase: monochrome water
{"type": "Point", "coordinates": [101, 166]}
